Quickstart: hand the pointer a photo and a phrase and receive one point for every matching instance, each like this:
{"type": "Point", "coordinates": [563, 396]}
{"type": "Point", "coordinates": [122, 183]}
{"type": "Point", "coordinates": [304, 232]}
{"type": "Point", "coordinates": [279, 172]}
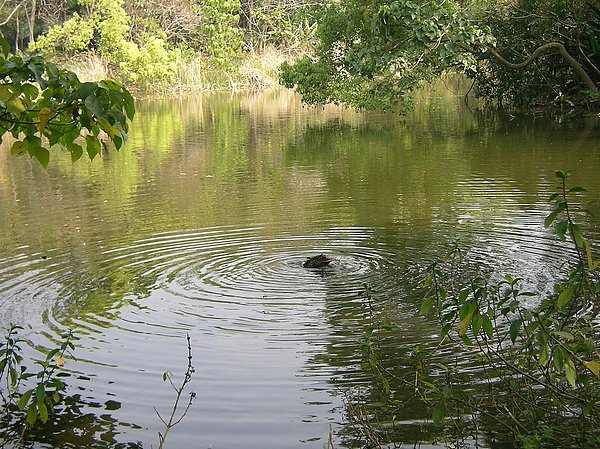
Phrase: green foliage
{"type": "Point", "coordinates": [42, 106]}
{"type": "Point", "coordinates": [74, 35]}
{"type": "Point", "coordinates": [105, 29]}
{"type": "Point", "coordinates": [222, 39]}
{"type": "Point", "coordinates": [148, 62]}
{"type": "Point", "coordinates": [20, 410]}
{"type": "Point", "coordinates": [529, 375]}
{"type": "Point", "coordinates": [373, 54]}
{"type": "Point", "coordinates": [522, 26]}
{"type": "Point", "coordinates": [539, 356]}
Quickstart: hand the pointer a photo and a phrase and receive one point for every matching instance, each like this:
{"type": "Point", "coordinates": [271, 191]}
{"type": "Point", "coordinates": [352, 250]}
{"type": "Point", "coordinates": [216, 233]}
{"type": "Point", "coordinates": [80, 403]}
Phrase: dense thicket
{"type": "Point", "coordinates": [372, 53]}
{"type": "Point", "coordinates": [144, 40]}
{"type": "Point", "coordinates": [366, 53]}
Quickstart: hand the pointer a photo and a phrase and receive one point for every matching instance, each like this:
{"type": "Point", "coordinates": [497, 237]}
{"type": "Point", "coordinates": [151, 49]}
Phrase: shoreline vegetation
{"type": "Point", "coordinates": [525, 54]}
{"type": "Point", "coordinates": [251, 72]}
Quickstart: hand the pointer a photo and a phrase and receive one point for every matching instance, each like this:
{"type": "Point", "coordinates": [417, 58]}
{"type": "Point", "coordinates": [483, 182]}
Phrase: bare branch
{"type": "Point", "coordinates": [12, 13]}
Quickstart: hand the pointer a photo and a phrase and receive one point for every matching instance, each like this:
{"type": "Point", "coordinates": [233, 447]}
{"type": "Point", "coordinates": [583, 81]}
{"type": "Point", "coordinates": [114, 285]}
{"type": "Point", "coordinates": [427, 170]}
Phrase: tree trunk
{"type": "Point", "coordinates": [577, 68]}
{"type": "Point", "coordinates": [31, 21]}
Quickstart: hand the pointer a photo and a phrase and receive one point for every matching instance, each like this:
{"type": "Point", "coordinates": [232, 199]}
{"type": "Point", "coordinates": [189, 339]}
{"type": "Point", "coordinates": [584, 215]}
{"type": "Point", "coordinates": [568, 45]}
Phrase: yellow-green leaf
{"type": "Point", "coordinates": [16, 106]}
{"type": "Point", "coordinates": [18, 148]}
{"type": "Point", "coordinates": [43, 118]}
{"type": "Point", "coordinates": [570, 372]}
{"type": "Point", "coordinates": [593, 366]}
{"type": "Point", "coordinates": [464, 324]}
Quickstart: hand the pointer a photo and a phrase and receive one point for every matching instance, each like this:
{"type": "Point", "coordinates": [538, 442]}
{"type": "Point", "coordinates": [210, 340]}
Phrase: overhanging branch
{"type": "Point", "coordinates": [577, 68]}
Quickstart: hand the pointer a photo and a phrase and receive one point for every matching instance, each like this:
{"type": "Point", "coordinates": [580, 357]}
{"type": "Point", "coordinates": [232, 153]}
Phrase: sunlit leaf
{"type": "Point", "coordinates": [570, 372]}
{"type": "Point", "coordinates": [18, 148]}
{"type": "Point", "coordinates": [16, 106]}
{"type": "Point", "coordinates": [593, 366]}
{"type": "Point", "coordinates": [43, 117]}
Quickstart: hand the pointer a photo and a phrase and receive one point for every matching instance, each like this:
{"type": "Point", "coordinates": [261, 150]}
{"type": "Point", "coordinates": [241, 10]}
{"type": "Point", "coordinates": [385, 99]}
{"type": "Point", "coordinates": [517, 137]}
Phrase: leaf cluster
{"type": "Point", "coordinates": [43, 106]}
{"type": "Point", "coordinates": [376, 53]}
{"type": "Point", "coordinates": [539, 356]}
{"type": "Point", "coordinates": [20, 410]}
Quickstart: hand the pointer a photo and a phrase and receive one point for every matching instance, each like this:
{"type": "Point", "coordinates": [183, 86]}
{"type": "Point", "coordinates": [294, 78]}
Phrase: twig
{"type": "Point", "coordinates": [172, 421]}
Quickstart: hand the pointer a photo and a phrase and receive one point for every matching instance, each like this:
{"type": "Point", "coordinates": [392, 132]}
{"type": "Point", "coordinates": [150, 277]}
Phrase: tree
{"type": "Point", "coordinates": [373, 53]}
{"type": "Point", "coordinates": [43, 106]}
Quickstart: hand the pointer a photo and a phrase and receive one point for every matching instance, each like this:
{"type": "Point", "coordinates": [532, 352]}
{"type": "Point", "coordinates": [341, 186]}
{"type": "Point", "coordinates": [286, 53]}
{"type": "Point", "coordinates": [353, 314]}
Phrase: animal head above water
{"type": "Point", "coordinates": [316, 261]}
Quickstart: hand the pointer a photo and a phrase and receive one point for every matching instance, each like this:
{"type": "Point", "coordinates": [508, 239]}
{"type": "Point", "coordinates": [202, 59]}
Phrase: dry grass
{"type": "Point", "coordinates": [89, 67]}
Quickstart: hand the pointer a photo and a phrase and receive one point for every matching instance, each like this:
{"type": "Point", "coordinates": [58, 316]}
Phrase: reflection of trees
{"type": "Point", "coordinates": [79, 423]}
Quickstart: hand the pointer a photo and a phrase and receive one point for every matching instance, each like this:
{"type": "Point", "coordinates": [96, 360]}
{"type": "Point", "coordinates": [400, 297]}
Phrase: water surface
{"type": "Point", "coordinates": [200, 225]}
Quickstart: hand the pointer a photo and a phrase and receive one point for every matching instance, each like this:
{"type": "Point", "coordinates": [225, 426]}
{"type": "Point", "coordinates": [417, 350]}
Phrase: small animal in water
{"type": "Point", "coordinates": [316, 261]}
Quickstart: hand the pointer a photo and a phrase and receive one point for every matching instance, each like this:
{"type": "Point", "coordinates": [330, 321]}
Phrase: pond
{"type": "Point", "coordinates": [200, 225]}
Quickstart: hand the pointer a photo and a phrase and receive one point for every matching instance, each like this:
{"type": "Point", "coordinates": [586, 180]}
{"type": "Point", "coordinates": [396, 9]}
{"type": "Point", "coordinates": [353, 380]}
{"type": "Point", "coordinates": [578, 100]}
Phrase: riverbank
{"type": "Point", "coordinates": [251, 72]}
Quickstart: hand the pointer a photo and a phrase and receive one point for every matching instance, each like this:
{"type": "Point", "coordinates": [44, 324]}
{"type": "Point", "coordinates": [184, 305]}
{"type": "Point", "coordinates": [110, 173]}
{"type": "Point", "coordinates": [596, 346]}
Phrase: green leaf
{"type": "Point", "coordinates": [86, 89]}
{"type": "Point", "coordinates": [578, 235]}
{"type": "Point", "coordinates": [553, 197]}
{"type": "Point", "coordinates": [445, 330]}
{"type": "Point", "coordinates": [19, 148]}
{"type": "Point", "coordinates": [476, 323]}
{"type": "Point", "coordinates": [515, 326]}
{"type": "Point", "coordinates": [32, 413]}
{"type": "Point", "coordinates": [40, 393]}
{"type": "Point", "coordinates": [566, 335]}
{"type": "Point", "coordinates": [43, 411]}
{"type": "Point", "coordinates": [42, 155]}
{"type": "Point", "coordinates": [428, 280]}
{"type": "Point", "coordinates": [565, 296]}
{"type": "Point", "coordinates": [570, 372]}
{"type": "Point", "coordinates": [593, 366]}
{"type": "Point", "coordinates": [552, 215]}
{"type": "Point", "coordinates": [426, 306]}
{"type": "Point", "coordinates": [5, 47]}
{"type": "Point", "coordinates": [439, 412]}
{"type": "Point", "coordinates": [487, 326]}
{"type": "Point", "coordinates": [561, 229]}
{"type": "Point", "coordinates": [75, 150]}
{"type": "Point", "coordinates": [16, 106]}
{"type": "Point", "coordinates": [577, 189]}
{"type": "Point", "coordinates": [24, 399]}
{"type": "Point", "coordinates": [92, 146]}
{"type": "Point", "coordinates": [464, 324]}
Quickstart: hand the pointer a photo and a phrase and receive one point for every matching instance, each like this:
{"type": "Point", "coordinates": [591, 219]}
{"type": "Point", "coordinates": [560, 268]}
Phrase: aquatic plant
{"type": "Point", "coordinates": [173, 420]}
{"type": "Point", "coordinates": [533, 376]}
{"type": "Point", "coordinates": [20, 410]}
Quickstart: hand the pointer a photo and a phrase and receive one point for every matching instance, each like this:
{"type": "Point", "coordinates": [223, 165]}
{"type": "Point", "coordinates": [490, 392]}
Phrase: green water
{"type": "Point", "coordinates": [201, 223]}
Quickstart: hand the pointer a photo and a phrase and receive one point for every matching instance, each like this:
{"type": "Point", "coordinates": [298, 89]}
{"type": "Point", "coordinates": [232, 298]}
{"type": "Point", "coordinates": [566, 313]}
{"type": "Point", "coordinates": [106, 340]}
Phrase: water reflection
{"type": "Point", "coordinates": [201, 224]}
